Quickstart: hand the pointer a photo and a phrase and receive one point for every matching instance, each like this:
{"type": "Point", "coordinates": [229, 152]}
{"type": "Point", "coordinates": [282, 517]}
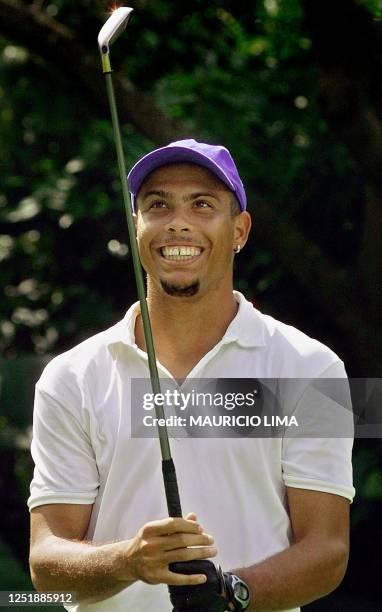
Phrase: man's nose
{"type": "Point", "coordinates": [175, 228]}
{"type": "Point", "coordinates": [178, 223]}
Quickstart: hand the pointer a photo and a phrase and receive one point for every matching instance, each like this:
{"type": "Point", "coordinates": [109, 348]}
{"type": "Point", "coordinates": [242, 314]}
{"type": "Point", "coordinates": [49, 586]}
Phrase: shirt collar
{"type": "Point", "coordinates": [124, 331]}
{"type": "Point", "coordinates": [247, 328]}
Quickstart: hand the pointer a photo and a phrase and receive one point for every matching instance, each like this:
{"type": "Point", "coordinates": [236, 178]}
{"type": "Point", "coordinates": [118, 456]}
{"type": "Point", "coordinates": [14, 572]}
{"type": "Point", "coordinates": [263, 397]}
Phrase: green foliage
{"type": "Point", "coordinates": [241, 74]}
{"type": "Point", "coordinates": [374, 6]}
{"type": "Point", "coordinates": [12, 577]}
{"type": "Point", "coordinates": [367, 476]}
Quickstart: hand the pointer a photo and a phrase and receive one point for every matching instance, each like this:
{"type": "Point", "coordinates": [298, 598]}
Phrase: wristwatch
{"type": "Point", "coordinates": [236, 590]}
{"type": "Point", "coordinates": [240, 593]}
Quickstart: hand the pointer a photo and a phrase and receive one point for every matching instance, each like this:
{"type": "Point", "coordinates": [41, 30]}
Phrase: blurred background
{"type": "Point", "coordinates": [293, 88]}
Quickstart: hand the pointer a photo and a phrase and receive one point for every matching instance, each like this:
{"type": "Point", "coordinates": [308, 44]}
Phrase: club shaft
{"type": "Point", "coordinates": [168, 468]}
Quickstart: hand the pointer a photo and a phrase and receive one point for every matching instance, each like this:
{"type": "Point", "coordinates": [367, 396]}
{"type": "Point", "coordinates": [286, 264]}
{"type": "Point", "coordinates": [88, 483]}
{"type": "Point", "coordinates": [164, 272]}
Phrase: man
{"type": "Point", "coordinates": [275, 511]}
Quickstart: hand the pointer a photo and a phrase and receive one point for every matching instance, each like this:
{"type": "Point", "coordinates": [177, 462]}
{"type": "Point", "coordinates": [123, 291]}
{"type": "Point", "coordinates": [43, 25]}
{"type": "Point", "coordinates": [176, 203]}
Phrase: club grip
{"type": "Point", "coordinates": [171, 488]}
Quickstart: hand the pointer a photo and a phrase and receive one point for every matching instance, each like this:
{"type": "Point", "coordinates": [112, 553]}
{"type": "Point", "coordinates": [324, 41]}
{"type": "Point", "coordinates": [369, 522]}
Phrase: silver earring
{"type": "Point", "coordinates": [237, 249]}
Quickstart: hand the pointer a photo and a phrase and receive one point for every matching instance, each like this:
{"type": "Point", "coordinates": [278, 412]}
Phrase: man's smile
{"type": "Point", "coordinates": [180, 252]}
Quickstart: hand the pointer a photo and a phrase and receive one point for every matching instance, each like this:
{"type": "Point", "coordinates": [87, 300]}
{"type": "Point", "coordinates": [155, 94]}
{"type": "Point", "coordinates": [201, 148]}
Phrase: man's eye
{"type": "Point", "coordinates": [202, 204]}
{"type": "Point", "coordinates": [158, 204]}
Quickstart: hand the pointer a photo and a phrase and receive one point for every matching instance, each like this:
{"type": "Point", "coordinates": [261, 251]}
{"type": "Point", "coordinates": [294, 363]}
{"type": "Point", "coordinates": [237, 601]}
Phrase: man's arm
{"type": "Point", "coordinates": [61, 561]}
{"type": "Point", "coordinates": [315, 563]}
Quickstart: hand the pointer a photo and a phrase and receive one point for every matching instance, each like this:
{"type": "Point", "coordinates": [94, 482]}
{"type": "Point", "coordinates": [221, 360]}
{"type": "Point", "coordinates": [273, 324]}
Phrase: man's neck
{"type": "Point", "coordinates": [185, 329]}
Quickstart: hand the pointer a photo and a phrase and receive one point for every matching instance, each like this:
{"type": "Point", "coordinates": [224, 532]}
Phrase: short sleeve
{"type": "Point", "coordinates": [318, 455]}
{"type": "Point", "coordinates": [65, 466]}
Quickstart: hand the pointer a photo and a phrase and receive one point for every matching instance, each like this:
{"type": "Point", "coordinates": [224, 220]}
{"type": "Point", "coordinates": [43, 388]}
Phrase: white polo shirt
{"type": "Point", "coordinates": [84, 452]}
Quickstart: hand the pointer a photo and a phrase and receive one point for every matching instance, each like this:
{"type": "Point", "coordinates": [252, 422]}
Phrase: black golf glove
{"type": "Point", "coordinates": [215, 595]}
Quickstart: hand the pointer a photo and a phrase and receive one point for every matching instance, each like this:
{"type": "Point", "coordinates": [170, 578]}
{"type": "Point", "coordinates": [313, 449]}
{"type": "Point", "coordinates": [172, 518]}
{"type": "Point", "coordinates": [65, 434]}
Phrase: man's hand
{"type": "Point", "coordinates": [208, 597]}
{"type": "Point", "coordinates": [159, 543]}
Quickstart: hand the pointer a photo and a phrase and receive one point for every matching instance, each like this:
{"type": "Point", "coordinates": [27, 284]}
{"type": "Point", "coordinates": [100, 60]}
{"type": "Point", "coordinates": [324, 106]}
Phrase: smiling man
{"type": "Point", "coordinates": [187, 238]}
{"type": "Point", "coordinates": [274, 510]}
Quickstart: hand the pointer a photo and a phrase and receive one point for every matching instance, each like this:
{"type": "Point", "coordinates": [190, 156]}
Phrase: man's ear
{"type": "Point", "coordinates": [243, 224]}
{"type": "Point", "coordinates": [135, 219]}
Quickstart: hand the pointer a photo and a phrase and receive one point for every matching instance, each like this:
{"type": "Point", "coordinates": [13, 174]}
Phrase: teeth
{"type": "Point", "coordinates": [180, 252]}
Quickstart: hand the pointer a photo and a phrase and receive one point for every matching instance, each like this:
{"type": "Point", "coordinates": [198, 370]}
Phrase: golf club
{"type": "Point", "coordinates": [108, 34]}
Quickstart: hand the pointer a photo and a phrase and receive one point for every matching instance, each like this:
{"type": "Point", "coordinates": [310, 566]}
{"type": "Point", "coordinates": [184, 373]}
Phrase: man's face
{"type": "Point", "coordinates": [185, 230]}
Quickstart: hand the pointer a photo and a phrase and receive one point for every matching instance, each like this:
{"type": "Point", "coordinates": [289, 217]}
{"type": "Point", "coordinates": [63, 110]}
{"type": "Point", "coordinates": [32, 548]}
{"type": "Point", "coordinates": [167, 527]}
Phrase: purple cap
{"type": "Point", "coordinates": [217, 159]}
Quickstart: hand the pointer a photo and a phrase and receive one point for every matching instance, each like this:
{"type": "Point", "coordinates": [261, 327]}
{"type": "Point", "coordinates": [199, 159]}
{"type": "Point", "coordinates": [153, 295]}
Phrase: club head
{"type": "Point", "coordinates": [113, 27]}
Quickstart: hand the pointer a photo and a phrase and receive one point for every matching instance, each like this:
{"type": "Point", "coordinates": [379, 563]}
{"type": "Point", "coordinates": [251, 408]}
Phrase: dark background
{"type": "Point", "coordinates": [293, 88]}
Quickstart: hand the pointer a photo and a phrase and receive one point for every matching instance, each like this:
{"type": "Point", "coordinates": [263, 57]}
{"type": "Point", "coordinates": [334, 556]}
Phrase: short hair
{"type": "Point", "coordinates": [235, 206]}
